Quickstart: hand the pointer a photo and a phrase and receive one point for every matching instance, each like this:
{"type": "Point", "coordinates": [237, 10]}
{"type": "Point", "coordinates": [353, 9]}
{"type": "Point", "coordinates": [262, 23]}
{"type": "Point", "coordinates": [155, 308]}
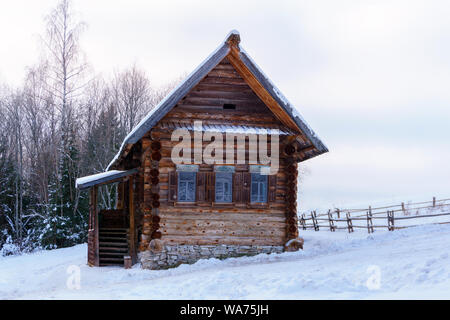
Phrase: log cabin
{"type": "Point", "coordinates": [168, 212]}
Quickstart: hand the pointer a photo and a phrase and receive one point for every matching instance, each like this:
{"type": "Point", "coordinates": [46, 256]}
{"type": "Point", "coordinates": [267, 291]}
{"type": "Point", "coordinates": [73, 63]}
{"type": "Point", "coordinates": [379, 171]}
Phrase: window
{"type": "Point", "coordinates": [229, 106]}
{"type": "Point", "coordinates": [259, 188]}
{"type": "Point", "coordinates": [186, 186]}
{"type": "Point", "coordinates": [224, 182]}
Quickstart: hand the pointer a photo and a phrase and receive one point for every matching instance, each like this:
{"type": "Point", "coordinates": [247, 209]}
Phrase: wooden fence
{"type": "Point", "coordinates": [342, 218]}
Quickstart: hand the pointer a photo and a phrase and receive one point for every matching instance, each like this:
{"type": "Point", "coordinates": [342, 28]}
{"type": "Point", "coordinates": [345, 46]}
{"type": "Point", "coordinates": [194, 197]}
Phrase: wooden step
{"type": "Point", "coordinates": [111, 259]}
{"type": "Point", "coordinates": [114, 233]}
{"type": "Point", "coordinates": [120, 248]}
{"type": "Point", "coordinates": [114, 229]}
{"type": "Point", "coordinates": [113, 244]}
{"type": "Point", "coordinates": [111, 264]}
{"type": "Point", "coordinates": [119, 254]}
{"type": "Point", "coordinates": [122, 239]}
{"type": "Point", "coordinates": [116, 249]}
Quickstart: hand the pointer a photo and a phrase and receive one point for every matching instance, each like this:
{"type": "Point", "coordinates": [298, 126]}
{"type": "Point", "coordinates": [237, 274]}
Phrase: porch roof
{"type": "Point", "coordinates": [103, 178]}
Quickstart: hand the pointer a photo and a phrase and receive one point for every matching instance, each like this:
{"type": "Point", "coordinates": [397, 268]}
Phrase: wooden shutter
{"type": "Point", "coordinates": [172, 198]}
{"type": "Point", "coordinates": [238, 179]}
{"type": "Point", "coordinates": [210, 186]}
{"type": "Point", "coordinates": [201, 187]}
{"type": "Point", "coordinates": [272, 190]}
{"type": "Point", "coordinates": [246, 186]}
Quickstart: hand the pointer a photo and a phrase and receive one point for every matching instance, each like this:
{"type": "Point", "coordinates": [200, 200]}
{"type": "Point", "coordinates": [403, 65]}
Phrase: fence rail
{"type": "Point", "coordinates": [342, 219]}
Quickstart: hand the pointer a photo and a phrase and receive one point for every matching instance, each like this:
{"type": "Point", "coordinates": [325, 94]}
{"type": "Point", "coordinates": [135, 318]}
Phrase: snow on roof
{"type": "Point", "coordinates": [92, 180]}
{"type": "Point", "coordinates": [195, 76]}
{"type": "Point", "coordinates": [235, 129]}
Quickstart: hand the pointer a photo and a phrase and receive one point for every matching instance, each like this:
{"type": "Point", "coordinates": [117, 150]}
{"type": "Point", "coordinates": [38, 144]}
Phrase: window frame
{"type": "Point", "coordinates": [193, 180]}
{"type": "Point", "coordinates": [261, 198]}
{"type": "Point", "coordinates": [228, 176]}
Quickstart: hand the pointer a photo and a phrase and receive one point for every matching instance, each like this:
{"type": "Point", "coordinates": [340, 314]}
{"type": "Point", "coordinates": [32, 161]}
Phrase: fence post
{"type": "Point", "coordinates": [434, 201]}
{"type": "Point", "coordinates": [313, 220]}
{"type": "Point", "coordinates": [392, 220]}
{"type": "Point", "coordinates": [389, 220]}
{"type": "Point", "coordinates": [390, 217]}
{"type": "Point", "coordinates": [331, 221]}
{"type": "Point", "coordinates": [403, 207]}
{"type": "Point", "coordinates": [338, 213]}
{"type": "Point", "coordinates": [349, 223]}
{"type": "Point", "coordinates": [369, 222]}
{"type": "Point", "coordinates": [302, 221]}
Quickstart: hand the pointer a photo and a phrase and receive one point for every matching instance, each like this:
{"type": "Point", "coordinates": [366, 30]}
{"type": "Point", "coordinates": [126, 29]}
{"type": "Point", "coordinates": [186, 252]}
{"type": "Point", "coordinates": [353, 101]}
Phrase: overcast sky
{"type": "Point", "coordinates": [372, 78]}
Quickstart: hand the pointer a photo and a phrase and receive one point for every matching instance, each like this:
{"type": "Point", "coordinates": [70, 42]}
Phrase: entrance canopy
{"type": "Point", "coordinates": [103, 178]}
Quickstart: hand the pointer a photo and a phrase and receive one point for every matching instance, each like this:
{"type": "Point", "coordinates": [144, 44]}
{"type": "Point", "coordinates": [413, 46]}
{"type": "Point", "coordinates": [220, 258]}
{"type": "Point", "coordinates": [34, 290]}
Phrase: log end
{"type": "Point", "coordinates": [233, 39]}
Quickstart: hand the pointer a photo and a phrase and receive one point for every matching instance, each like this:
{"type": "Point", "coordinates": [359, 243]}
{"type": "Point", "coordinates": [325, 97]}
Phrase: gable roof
{"type": "Point", "coordinates": [230, 47]}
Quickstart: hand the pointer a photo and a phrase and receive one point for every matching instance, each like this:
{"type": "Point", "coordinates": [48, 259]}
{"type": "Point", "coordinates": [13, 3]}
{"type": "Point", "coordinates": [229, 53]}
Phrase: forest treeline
{"type": "Point", "coordinates": [62, 122]}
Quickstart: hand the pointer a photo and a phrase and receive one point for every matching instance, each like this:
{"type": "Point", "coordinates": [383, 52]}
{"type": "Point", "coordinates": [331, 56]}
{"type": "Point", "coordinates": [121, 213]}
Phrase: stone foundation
{"type": "Point", "coordinates": [174, 255]}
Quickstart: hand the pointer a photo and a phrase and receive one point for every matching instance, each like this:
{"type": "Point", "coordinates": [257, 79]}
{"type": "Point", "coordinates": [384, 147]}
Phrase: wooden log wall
{"type": "Point", "coordinates": [291, 200]}
{"type": "Point", "coordinates": [206, 222]}
{"type": "Point", "coordinates": [223, 85]}
{"type": "Point", "coordinates": [243, 223]}
{"type": "Point", "coordinates": [93, 246]}
{"type": "Point", "coordinates": [151, 195]}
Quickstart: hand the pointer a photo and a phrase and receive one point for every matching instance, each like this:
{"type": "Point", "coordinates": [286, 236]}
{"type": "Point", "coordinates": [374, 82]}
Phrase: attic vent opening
{"type": "Point", "coordinates": [229, 106]}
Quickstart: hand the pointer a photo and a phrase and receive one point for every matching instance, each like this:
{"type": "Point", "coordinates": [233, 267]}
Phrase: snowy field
{"type": "Point", "coordinates": [411, 263]}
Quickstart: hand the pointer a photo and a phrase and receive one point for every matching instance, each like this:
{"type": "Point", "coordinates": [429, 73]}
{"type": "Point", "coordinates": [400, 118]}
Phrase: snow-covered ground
{"type": "Point", "coordinates": [411, 263]}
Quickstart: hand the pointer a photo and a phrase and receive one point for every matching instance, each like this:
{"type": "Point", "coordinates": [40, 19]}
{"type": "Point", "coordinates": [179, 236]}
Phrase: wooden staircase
{"type": "Point", "coordinates": [113, 246]}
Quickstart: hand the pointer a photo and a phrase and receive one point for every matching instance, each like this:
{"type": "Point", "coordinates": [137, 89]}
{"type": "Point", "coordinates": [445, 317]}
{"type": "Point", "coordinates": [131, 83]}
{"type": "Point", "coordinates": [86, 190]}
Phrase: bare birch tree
{"type": "Point", "coordinates": [39, 115]}
{"type": "Point", "coordinates": [67, 66]}
{"type": "Point", "coordinates": [66, 79]}
{"type": "Point", "coordinates": [13, 108]}
{"type": "Point", "coordinates": [132, 94]}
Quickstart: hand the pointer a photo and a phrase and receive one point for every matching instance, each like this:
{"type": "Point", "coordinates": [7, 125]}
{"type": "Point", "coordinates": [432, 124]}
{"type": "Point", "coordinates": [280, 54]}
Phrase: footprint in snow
{"type": "Point", "coordinates": [430, 262]}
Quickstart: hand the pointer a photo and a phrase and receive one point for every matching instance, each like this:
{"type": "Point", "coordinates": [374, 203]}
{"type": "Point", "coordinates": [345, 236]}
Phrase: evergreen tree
{"type": "Point", "coordinates": [55, 129]}
{"type": "Point", "coordinates": [7, 189]}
